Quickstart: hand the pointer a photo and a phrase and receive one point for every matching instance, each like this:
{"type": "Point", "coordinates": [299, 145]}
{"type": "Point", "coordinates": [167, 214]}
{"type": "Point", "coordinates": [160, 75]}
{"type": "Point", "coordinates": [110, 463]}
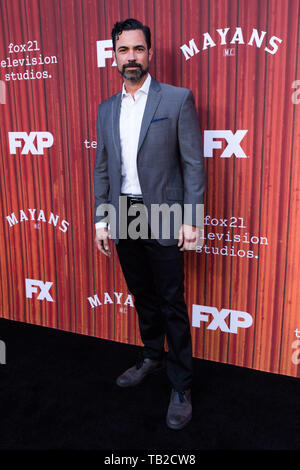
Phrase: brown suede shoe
{"type": "Point", "coordinates": [180, 409]}
{"type": "Point", "coordinates": [138, 372]}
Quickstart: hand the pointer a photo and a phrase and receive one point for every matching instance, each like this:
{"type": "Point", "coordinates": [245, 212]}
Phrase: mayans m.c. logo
{"type": "Point", "coordinates": [229, 38]}
{"type": "Point", "coordinates": [223, 37]}
{"type": "Point", "coordinates": [118, 298]}
{"type": "Point", "coordinates": [37, 216]}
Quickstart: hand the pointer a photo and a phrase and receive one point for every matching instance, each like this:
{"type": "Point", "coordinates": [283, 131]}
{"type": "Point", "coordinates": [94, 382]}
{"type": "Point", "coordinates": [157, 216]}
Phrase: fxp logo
{"type": "Point", "coordinates": [34, 142]}
{"type": "Point", "coordinates": [216, 318]}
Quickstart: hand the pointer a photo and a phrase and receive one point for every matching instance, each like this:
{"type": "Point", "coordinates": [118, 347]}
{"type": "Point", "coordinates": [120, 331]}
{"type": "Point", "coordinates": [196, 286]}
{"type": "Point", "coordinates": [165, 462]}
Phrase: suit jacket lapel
{"type": "Point", "coordinates": [116, 124]}
{"type": "Point", "coordinates": [153, 99]}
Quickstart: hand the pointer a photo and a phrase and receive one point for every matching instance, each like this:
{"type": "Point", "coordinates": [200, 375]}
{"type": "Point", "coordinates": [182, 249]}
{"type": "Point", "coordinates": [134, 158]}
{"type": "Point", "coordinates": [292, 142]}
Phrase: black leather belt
{"type": "Point", "coordinates": [133, 199]}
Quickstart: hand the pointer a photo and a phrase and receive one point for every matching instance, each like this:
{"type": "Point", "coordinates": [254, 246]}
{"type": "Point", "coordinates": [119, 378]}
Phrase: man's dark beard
{"type": "Point", "coordinates": [134, 75]}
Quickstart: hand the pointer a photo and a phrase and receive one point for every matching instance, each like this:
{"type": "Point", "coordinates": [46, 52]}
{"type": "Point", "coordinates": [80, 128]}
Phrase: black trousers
{"type": "Point", "coordinates": [155, 277]}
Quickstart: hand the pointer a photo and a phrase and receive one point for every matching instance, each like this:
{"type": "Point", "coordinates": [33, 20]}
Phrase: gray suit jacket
{"type": "Point", "coordinates": [169, 161]}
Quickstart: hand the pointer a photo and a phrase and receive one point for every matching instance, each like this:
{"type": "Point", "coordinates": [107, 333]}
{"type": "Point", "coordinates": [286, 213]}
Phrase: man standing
{"type": "Point", "coordinates": [149, 152]}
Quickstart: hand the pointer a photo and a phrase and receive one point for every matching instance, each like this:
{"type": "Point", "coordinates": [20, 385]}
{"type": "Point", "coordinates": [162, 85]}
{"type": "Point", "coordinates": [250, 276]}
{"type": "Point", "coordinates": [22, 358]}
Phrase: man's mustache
{"type": "Point", "coordinates": [131, 65]}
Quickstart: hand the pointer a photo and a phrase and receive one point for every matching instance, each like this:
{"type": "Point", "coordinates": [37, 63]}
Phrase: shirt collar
{"type": "Point", "coordinates": [144, 88]}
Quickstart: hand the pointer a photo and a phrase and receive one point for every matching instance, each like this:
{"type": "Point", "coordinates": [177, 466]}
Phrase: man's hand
{"type": "Point", "coordinates": [101, 240]}
{"type": "Point", "coordinates": [188, 237]}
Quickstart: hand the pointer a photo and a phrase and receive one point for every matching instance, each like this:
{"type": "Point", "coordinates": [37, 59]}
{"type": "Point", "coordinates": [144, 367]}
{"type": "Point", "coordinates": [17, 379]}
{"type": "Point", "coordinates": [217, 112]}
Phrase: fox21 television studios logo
{"type": "Point", "coordinates": [28, 57]}
{"type": "Point", "coordinates": [24, 62]}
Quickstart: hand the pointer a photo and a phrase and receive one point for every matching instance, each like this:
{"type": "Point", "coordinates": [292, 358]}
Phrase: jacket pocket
{"type": "Point", "coordinates": [159, 119]}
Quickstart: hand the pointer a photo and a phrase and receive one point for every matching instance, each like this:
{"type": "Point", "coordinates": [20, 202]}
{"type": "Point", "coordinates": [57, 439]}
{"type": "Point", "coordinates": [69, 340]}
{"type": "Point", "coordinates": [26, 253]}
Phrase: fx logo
{"type": "Point", "coordinates": [104, 51]}
{"type": "Point", "coordinates": [212, 141]}
{"type": "Point", "coordinates": [43, 140]}
{"type": "Point", "coordinates": [44, 287]}
{"type": "Point", "coordinates": [237, 319]}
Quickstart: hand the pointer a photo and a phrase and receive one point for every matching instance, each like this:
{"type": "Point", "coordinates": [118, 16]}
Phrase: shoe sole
{"type": "Point", "coordinates": [178, 427]}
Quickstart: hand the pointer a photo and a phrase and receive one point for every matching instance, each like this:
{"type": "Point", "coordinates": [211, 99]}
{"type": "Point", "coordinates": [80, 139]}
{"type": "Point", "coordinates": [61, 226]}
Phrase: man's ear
{"type": "Point", "coordinates": [114, 57]}
{"type": "Point", "coordinates": [150, 54]}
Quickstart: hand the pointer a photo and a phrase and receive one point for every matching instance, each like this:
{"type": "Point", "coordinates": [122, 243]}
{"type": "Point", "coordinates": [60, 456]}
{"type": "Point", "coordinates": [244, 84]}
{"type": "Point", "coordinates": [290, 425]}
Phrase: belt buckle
{"type": "Point", "coordinates": [134, 200]}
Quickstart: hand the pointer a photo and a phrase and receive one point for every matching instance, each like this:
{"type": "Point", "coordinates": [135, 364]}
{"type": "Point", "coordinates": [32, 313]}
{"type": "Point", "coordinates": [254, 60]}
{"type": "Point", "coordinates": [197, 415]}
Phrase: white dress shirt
{"type": "Point", "coordinates": [132, 111]}
{"type": "Point", "coordinates": [131, 115]}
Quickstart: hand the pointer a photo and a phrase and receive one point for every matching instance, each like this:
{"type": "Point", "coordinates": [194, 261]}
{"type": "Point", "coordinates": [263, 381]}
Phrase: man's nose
{"type": "Point", "coordinates": [131, 55]}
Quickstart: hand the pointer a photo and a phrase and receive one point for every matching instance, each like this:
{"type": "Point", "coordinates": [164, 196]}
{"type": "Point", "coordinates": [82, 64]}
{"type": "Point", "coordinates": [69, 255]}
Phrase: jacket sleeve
{"type": "Point", "coordinates": [101, 181]}
{"type": "Point", "coordinates": [192, 162]}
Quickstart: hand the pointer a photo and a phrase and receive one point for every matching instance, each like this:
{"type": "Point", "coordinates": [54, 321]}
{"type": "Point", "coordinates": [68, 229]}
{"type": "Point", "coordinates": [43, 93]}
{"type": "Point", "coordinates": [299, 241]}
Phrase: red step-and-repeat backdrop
{"type": "Point", "coordinates": [241, 59]}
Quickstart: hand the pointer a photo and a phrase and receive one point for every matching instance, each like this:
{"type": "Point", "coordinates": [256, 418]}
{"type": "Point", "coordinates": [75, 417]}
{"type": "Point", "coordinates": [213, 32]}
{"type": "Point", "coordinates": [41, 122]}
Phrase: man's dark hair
{"type": "Point", "coordinates": [128, 25]}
